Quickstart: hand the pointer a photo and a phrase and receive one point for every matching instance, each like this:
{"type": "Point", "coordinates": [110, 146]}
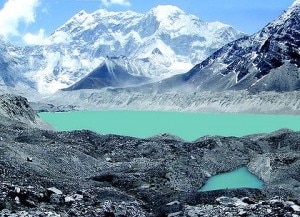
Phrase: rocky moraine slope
{"type": "Point", "coordinates": [82, 173]}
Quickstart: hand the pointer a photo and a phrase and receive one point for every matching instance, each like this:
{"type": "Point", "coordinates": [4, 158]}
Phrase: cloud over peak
{"type": "Point", "coordinates": [14, 13]}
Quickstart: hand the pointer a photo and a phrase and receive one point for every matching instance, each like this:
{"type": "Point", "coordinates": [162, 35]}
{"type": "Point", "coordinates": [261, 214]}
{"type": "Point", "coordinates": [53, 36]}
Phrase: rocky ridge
{"type": "Point", "coordinates": [266, 61]}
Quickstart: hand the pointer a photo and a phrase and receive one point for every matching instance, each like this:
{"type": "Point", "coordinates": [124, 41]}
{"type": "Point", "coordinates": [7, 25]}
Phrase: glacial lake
{"type": "Point", "coordinates": [188, 126]}
{"type": "Point", "coordinates": [240, 178]}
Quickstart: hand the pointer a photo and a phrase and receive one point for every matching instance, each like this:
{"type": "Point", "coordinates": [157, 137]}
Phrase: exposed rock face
{"type": "Point", "coordinates": [17, 108]}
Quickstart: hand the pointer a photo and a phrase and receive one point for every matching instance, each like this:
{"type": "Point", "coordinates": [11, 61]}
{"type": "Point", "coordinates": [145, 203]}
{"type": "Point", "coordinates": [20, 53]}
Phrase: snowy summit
{"type": "Point", "coordinates": [158, 44]}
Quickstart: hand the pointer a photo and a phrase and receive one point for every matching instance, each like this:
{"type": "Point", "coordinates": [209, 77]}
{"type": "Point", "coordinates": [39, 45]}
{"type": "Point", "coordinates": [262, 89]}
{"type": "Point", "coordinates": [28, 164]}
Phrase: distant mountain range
{"type": "Point", "coordinates": [266, 61]}
{"type": "Point", "coordinates": [161, 43]}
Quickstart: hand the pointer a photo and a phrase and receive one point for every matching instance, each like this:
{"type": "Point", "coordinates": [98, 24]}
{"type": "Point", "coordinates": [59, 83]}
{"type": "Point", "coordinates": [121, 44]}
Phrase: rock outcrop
{"type": "Point", "coordinates": [16, 109]}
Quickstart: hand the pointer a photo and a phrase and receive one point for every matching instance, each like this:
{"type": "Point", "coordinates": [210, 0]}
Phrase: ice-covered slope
{"type": "Point", "coordinates": [163, 42]}
{"type": "Point", "coordinates": [11, 62]}
{"type": "Point", "coordinates": [267, 60]}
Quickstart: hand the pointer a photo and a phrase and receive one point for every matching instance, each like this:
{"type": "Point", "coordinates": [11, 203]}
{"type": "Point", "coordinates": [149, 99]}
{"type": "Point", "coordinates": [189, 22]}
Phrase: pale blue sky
{"type": "Point", "coordinates": [248, 16]}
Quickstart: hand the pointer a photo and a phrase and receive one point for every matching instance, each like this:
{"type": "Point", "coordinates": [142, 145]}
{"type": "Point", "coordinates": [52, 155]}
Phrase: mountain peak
{"type": "Point", "coordinates": [80, 15]}
{"type": "Point", "coordinates": [82, 12]}
{"type": "Point", "coordinates": [296, 3]}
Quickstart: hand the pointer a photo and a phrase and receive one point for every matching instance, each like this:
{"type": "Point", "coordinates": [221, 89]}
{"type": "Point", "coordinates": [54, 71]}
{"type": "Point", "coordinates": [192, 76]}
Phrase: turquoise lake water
{"type": "Point", "coordinates": [240, 178]}
{"type": "Point", "coordinates": [188, 126]}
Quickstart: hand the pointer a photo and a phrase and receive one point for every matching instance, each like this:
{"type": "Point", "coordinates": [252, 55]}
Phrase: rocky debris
{"type": "Point", "coordinates": [36, 201]}
{"type": "Point", "coordinates": [70, 173]}
{"type": "Point", "coordinates": [236, 207]}
{"type": "Point", "coordinates": [157, 174]}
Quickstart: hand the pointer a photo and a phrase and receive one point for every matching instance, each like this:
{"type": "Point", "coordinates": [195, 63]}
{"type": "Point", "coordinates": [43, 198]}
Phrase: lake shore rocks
{"type": "Point", "coordinates": [82, 173]}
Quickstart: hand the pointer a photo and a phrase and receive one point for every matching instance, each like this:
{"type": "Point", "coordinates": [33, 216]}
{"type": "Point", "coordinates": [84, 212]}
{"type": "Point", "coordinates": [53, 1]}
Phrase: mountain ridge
{"type": "Point", "coordinates": [269, 60]}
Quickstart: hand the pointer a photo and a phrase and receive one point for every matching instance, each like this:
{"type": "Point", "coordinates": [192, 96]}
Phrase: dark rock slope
{"type": "Point", "coordinates": [86, 174]}
{"type": "Point", "coordinates": [113, 72]}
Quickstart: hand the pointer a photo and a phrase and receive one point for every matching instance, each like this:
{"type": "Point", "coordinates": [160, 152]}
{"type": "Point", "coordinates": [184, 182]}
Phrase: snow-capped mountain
{"type": "Point", "coordinates": [181, 39]}
{"type": "Point", "coordinates": [268, 60]}
{"type": "Point", "coordinates": [163, 42]}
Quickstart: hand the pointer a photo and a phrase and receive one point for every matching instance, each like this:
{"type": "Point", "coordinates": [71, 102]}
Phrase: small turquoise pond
{"type": "Point", "coordinates": [240, 178]}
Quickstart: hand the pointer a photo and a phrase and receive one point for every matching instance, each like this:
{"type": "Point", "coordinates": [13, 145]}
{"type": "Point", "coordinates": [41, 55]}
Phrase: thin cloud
{"type": "Point", "coordinates": [14, 13]}
{"type": "Point", "coordinates": [41, 38]}
{"type": "Point", "coordinates": [36, 39]}
{"type": "Point", "coordinates": [108, 3]}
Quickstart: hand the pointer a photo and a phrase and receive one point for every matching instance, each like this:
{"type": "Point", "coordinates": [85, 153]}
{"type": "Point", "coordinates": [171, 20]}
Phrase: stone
{"type": "Point", "coordinates": [175, 214]}
{"type": "Point", "coordinates": [242, 213]}
{"type": "Point", "coordinates": [226, 201]}
{"type": "Point", "coordinates": [78, 197]}
{"type": "Point", "coordinates": [17, 190]}
{"type": "Point", "coordinates": [248, 200]}
{"type": "Point", "coordinates": [54, 190]}
{"type": "Point", "coordinates": [196, 211]}
{"type": "Point", "coordinates": [176, 202]}
{"type": "Point", "coordinates": [56, 198]}
{"type": "Point", "coordinates": [69, 199]}
{"type": "Point", "coordinates": [295, 208]}
{"type": "Point", "coordinates": [29, 203]}
{"type": "Point", "coordinates": [17, 200]}
{"type": "Point", "coordinates": [108, 159]}
{"type": "Point", "coordinates": [277, 203]}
